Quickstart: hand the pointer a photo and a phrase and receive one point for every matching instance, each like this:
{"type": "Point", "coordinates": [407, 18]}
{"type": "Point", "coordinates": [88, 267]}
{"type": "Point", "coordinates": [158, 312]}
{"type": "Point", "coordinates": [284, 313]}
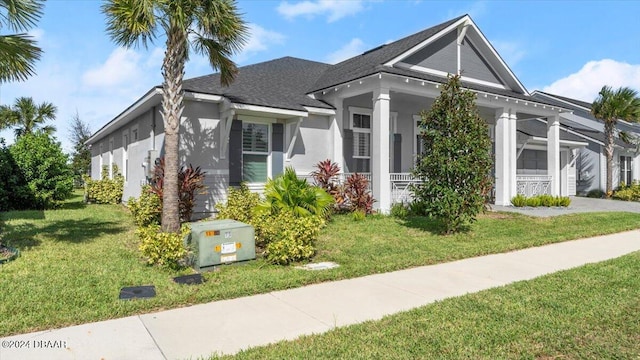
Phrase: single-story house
{"type": "Point", "coordinates": [361, 113]}
{"type": "Point", "coordinates": [590, 161]}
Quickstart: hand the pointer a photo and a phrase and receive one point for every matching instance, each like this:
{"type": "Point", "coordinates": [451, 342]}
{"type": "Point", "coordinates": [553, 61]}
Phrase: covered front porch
{"type": "Point", "coordinates": [375, 131]}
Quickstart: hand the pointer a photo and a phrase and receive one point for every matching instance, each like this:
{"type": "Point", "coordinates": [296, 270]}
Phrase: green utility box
{"type": "Point", "coordinates": [221, 242]}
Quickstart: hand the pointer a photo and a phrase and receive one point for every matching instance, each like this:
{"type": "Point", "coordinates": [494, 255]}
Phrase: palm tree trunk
{"type": "Point", "coordinates": [608, 152]}
{"type": "Point", "coordinates": [172, 106]}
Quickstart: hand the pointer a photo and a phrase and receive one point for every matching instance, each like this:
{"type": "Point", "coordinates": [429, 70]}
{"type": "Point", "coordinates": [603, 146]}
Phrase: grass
{"type": "Point", "coordinates": [76, 259]}
{"type": "Point", "coordinates": [589, 312]}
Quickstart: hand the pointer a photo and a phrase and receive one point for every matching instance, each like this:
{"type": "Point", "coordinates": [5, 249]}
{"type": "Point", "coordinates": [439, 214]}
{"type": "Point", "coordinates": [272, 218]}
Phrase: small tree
{"type": "Point", "coordinates": [456, 164]}
{"type": "Point", "coordinates": [81, 155]}
{"type": "Point", "coordinates": [44, 166]}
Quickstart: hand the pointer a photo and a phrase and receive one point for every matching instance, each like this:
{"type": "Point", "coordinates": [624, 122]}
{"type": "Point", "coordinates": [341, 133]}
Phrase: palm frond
{"type": "Point", "coordinates": [18, 54]}
{"type": "Point", "coordinates": [131, 22]}
{"type": "Point", "coordinates": [21, 15]}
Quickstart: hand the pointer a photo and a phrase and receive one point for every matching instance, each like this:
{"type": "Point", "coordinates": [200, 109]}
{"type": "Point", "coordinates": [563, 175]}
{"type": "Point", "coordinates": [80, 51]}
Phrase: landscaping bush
{"type": "Point", "coordinates": [533, 201]}
{"type": "Point", "coordinates": [287, 192]}
{"type": "Point", "coordinates": [147, 209]}
{"type": "Point", "coordinates": [40, 159]}
{"type": "Point", "coordinates": [239, 206]}
{"type": "Point", "coordinates": [165, 249]}
{"type": "Point", "coordinates": [357, 194]}
{"type": "Point", "coordinates": [519, 200]}
{"type": "Point", "coordinates": [596, 193]}
{"type": "Point", "coordinates": [455, 167]}
{"type": "Point", "coordinates": [326, 176]}
{"type": "Point", "coordinates": [190, 183]}
{"type": "Point", "coordinates": [399, 210]}
{"type": "Point", "coordinates": [540, 200]}
{"type": "Point", "coordinates": [289, 238]}
{"type": "Point", "coordinates": [14, 191]}
{"type": "Point", "coordinates": [106, 190]}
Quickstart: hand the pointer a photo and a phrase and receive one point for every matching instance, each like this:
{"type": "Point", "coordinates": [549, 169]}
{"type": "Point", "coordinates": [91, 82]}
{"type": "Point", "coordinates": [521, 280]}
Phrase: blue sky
{"type": "Point", "coordinates": [571, 48]}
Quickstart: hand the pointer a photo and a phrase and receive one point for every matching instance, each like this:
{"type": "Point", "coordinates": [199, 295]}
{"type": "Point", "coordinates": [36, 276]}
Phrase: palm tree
{"type": "Point", "coordinates": [27, 117]}
{"type": "Point", "coordinates": [611, 106]}
{"type": "Point", "coordinates": [212, 28]}
{"type": "Point", "coordinates": [18, 52]}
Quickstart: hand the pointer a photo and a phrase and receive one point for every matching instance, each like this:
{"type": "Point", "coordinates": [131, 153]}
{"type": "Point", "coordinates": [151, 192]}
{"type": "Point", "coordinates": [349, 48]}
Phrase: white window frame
{"type": "Point", "coordinates": [125, 154]}
{"type": "Point", "coordinates": [623, 170]}
{"type": "Point", "coordinates": [260, 121]}
{"type": "Point", "coordinates": [111, 158]}
{"type": "Point", "coordinates": [360, 111]}
{"type": "Point", "coordinates": [134, 130]}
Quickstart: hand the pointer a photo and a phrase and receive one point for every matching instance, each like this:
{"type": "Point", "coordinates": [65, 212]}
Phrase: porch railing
{"type": "Point", "coordinates": [532, 185]}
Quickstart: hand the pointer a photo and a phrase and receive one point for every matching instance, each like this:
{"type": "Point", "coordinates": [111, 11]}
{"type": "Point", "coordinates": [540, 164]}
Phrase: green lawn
{"type": "Point", "coordinates": [586, 313]}
{"type": "Point", "coordinates": [75, 260]}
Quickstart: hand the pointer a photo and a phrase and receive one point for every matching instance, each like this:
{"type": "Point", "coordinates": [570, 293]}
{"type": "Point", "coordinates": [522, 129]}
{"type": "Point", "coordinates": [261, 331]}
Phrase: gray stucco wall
{"type": "Point", "coordinates": [313, 144]}
{"type": "Point", "coordinates": [588, 169]}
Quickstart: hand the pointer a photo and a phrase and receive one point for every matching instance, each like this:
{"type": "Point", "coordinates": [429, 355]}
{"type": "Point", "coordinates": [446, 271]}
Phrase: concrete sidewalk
{"type": "Point", "coordinates": [230, 325]}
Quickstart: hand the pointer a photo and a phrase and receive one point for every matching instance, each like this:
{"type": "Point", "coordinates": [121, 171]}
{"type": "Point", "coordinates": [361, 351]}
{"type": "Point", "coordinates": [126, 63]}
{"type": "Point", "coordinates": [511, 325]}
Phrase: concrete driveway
{"type": "Point", "coordinates": [578, 205]}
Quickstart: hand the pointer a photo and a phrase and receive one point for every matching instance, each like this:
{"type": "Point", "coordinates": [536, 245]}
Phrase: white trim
{"type": "Point", "coordinates": [269, 110]}
{"type": "Point", "coordinates": [445, 74]}
{"type": "Point", "coordinates": [560, 100]}
{"type": "Point", "coordinates": [111, 144]}
{"type": "Point", "coordinates": [319, 111]}
{"type": "Point", "coordinates": [126, 141]}
{"type": "Point", "coordinates": [202, 97]}
{"type": "Point", "coordinates": [124, 116]}
{"type": "Point", "coordinates": [426, 42]}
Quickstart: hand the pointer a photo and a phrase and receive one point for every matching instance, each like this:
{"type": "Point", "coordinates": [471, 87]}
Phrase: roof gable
{"type": "Point", "coordinates": [460, 48]}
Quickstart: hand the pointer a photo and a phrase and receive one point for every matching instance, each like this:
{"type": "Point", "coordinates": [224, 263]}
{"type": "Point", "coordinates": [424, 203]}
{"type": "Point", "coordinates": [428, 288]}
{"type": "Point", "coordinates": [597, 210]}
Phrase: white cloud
{"type": "Point", "coordinates": [261, 39]}
{"type": "Point", "coordinates": [120, 68]}
{"type": "Point", "coordinates": [587, 82]}
{"type": "Point", "coordinates": [511, 52]}
{"type": "Point", "coordinates": [37, 34]}
{"type": "Point", "coordinates": [351, 49]}
{"type": "Point", "coordinates": [334, 9]}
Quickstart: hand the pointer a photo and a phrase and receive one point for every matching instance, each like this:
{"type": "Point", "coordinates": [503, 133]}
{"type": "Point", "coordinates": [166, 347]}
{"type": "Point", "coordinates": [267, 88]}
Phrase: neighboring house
{"type": "Point", "coordinates": [362, 113]}
{"type": "Point", "coordinates": [590, 161]}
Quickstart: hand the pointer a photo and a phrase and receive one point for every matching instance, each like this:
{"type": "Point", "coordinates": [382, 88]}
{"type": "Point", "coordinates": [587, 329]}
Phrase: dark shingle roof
{"type": "Point", "coordinates": [279, 83]}
{"type": "Point", "coordinates": [581, 103]}
{"type": "Point", "coordinates": [539, 129]}
{"type": "Point", "coordinates": [371, 61]}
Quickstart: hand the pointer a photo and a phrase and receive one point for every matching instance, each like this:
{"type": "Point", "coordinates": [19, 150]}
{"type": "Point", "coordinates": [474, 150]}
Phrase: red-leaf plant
{"type": "Point", "coordinates": [190, 183]}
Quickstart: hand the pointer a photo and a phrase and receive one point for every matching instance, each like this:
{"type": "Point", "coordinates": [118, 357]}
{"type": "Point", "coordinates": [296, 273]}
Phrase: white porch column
{"type": "Point", "coordinates": [553, 153]}
{"type": "Point", "coordinates": [336, 131]}
{"type": "Point", "coordinates": [380, 181]}
{"type": "Point", "coordinates": [505, 143]}
{"type": "Point", "coordinates": [513, 154]}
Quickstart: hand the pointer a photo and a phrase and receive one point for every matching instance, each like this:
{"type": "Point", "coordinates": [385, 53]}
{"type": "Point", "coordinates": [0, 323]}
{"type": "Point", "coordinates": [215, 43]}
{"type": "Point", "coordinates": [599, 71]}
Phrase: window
{"type": "Point", "coordinates": [625, 170]}
{"type": "Point", "coordinates": [418, 145]}
{"type": "Point", "coordinates": [125, 155]}
{"type": "Point", "coordinates": [361, 125]}
{"type": "Point", "coordinates": [255, 152]}
{"type": "Point", "coordinates": [134, 134]}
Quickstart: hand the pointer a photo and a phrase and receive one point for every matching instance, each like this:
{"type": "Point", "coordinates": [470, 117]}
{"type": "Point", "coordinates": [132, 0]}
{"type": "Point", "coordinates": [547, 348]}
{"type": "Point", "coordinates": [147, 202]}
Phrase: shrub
{"type": "Point", "coordinates": [456, 166]}
{"type": "Point", "coordinates": [44, 166]}
{"type": "Point", "coordinates": [289, 193]}
{"type": "Point", "coordinates": [564, 201]}
{"type": "Point", "coordinates": [165, 249]}
{"type": "Point", "coordinates": [548, 200]}
{"type": "Point", "coordinates": [519, 200]}
{"type": "Point", "coordinates": [357, 194]}
{"type": "Point", "coordinates": [190, 183]}
{"type": "Point", "coordinates": [289, 238]}
{"type": "Point", "coordinates": [239, 206]}
{"type": "Point", "coordinates": [147, 209]}
{"type": "Point", "coordinates": [533, 201]}
{"type": "Point", "coordinates": [14, 191]}
{"type": "Point", "coordinates": [358, 215]}
{"type": "Point", "coordinates": [596, 193]}
{"type": "Point", "coordinates": [326, 176]}
{"type": "Point", "coordinates": [399, 210]}
{"type": "Point", "coordinates": [106, 190]}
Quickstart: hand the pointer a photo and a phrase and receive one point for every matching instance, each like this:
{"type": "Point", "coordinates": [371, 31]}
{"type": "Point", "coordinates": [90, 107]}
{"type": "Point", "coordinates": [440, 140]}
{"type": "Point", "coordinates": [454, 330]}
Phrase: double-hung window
{"type": "Point", "coordinates": [255, 152]}
{"type": "Point", "coordinates": [361, 126]}
{"type": "Point", "coordinates": [625, 170]}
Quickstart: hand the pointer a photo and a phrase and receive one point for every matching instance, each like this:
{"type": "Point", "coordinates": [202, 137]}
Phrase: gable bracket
{"type": "Point", "coordinates": [294, 136]}
{"type": "Point", "coordinates": [225, 130]}
{"type": "Point", "coordinates": [462, 31]}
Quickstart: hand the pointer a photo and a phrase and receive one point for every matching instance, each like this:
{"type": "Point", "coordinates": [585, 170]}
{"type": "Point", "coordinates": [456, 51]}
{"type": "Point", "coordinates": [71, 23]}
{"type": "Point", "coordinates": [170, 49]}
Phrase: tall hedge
{"type": "Point", "coordinates": [456, 164]}
{"type": "Point", "coordinates": [44, 167]}
{"type": "Point", "coordinates": [14, 192]}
